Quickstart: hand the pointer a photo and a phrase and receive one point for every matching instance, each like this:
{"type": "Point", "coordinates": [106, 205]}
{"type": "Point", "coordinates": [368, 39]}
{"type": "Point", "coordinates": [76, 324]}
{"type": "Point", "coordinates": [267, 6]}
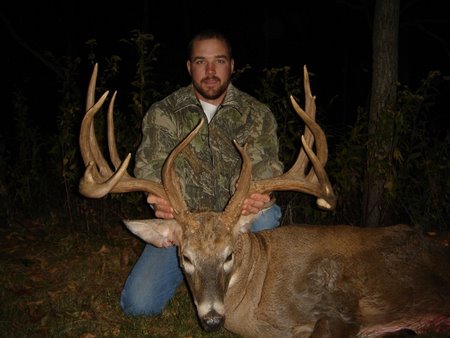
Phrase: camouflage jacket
{"type": "Point", "coordinates": [210, 164]}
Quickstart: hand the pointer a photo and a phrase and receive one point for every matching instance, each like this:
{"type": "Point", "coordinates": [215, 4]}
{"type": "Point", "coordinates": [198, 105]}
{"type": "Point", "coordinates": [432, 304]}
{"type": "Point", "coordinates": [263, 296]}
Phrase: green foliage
{"type": "Point", "coordinates": [276, 85]}
{"type": "Point", "coordinates": [347, 169]}
{"type": "Point", "coordinates": [414, 166]}
{"type": "Point", "coordinates": [26, 152]}
{"type": "Point", "coordinates": [145, 90]}
{"type": "Point", "coordinates": [421, 158]}
{"type": "Point", "coordinates": [22, 164]}
{"type": "Point", "coordinates": [68, 121]}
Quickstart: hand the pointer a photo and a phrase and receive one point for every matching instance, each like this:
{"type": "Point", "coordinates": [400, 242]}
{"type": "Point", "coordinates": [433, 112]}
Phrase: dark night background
{"type": "Point", "coordinates": [333, 38]}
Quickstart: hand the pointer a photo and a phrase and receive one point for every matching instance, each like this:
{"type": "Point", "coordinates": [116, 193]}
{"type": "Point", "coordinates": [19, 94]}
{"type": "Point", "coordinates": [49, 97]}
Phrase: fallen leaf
{"type": "Point", "coordinates": [36, 277]}
{"type": "Point", "coordinates": [86, 315]}
{"type": "Point", "coordinates": [88, 335]}
{"type": "Point", "coordinates": [125, 257]}
{"type": "Point", "coordinates": [72, 286]}
{"type": "Point", "coordinates": [53, 295]}
{"type": "Point", "coordinates": [104, 250]}
{"type": "Point", "coordinates": [35, 313]}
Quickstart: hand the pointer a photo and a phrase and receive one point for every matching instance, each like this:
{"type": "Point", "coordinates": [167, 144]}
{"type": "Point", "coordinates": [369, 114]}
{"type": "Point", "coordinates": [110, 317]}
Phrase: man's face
{"type": "Point", "coordinates": [210, 68]}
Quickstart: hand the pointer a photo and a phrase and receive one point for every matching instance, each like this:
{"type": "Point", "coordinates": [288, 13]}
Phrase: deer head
{"type": "Point", "coordinates": [207, 241]}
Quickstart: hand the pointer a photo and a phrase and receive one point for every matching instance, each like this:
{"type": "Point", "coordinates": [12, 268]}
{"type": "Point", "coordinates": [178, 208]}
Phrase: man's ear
{"type": "Point", "coordinates": [188, 66]}
{"type": "Point", "coordinates": [161, 233]}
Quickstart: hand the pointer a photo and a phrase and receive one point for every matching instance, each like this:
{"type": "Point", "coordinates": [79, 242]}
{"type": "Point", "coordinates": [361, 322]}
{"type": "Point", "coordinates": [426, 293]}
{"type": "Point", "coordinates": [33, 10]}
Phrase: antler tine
{"type": "Point", "coordinates": [90, 149]}
{"type": "Point", "coordinates": [88, 143]}
{"type": "Point", "coordinates": [169, 177]}
{"type": "Point", "coordinates": [113, 154]}
{"type": "Point", "coordinates": [90, 100]}
{"type": "Point", "coordinates": [316, 182]}
{"type": "Point", "coordinates": [234, 206]}
{"type": "Point", "coordinates": [310, 109]}
{"type": "Point", "coordinates": [115, 159]}
{"type": "Point", "coordinates": [99, 179]}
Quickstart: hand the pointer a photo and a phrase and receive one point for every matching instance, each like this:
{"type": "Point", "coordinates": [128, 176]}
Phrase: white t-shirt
{"type": "Point", "coordinates": [209, 109]}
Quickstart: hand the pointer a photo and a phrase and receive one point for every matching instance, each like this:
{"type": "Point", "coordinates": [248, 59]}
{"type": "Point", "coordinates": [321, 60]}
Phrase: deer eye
{"type": "Point", "coordinates": [186, 259]}
{"type": "Point", "coordinates": [228, 264]}
{"type": "Point", "coordinates": [188, 265]}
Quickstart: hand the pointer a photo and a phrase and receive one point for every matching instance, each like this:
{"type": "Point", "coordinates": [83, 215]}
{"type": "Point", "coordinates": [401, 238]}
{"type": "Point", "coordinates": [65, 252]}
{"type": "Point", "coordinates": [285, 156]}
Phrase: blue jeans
{"type": "Point", "coordinates": [157, 273]}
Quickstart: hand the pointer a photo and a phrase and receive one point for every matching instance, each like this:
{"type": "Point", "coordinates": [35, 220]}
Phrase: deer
{"type": "Point", "coordinates": [296, 280]}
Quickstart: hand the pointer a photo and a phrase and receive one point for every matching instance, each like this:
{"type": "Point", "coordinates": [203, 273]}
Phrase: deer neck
{"type": "Point", "coordinates": [248, 279]}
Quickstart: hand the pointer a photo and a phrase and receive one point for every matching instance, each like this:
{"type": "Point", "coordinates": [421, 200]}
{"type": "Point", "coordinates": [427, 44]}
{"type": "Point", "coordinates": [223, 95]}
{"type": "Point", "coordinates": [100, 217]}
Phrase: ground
{"type": "Point", "coordinates": [57, 282]}
{"type": "Point", "coordinates": [60, 282]}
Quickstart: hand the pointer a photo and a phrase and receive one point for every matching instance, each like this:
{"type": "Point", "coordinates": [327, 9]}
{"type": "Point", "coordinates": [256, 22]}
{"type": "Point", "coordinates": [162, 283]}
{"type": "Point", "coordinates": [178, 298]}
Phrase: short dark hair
{"type": "Point", "coordinates": [209, 34]}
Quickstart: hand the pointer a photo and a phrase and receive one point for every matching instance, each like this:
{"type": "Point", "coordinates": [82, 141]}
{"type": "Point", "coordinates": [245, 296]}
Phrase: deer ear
{"type": "Point", "coordinates": [159, 232]}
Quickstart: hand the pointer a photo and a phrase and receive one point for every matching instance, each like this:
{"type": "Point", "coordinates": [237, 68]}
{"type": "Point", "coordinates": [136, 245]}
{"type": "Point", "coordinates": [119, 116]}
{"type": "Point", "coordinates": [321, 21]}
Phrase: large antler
{"type": "Point", "coordinates": [313, 180]}
{"type": "Point", "coordinates": [99, 179]}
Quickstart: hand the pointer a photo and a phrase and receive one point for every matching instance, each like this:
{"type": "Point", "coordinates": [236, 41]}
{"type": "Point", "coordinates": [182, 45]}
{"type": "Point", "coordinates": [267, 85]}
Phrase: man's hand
{"type": "Point", "coordinates": [161, 206]}
{"type": "Point", "coordinates": [251, 205]}
{"type": "Point", "coordinates": [254, 203]}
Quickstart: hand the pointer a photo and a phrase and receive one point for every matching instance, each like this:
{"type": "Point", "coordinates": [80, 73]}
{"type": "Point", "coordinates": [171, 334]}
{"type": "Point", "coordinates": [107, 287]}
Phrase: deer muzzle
{"type": "Point", "coordinates": [212, 321]}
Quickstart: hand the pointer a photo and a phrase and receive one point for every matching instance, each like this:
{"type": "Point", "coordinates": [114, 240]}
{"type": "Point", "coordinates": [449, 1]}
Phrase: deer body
{"type": "Point", "coordinates": [363, 280]}
{"type": "Point", "coordinates": [293, 281]}
{"type": "Point", "coordinates": [318, 281]}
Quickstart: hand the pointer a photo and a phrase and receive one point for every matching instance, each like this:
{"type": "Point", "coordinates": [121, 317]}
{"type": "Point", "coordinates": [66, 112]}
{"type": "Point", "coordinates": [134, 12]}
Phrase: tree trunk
{"type": "Point", "coordinates": [382, 102]}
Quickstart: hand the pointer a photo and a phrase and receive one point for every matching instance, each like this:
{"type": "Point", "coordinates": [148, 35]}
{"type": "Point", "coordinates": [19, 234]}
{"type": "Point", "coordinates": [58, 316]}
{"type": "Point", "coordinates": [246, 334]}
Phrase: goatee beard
{"type": "Point", "coordinates": [211, 94]}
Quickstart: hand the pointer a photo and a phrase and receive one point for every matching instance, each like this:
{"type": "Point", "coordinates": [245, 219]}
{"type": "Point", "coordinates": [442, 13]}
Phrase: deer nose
{"type": "Point", "coordinates": [212, 321]}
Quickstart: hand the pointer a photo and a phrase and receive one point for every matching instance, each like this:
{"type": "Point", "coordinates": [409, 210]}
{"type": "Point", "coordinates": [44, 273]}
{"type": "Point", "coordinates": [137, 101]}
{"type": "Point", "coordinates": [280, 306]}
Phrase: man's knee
{"type": "Point", "coordinates": [152, 282]}
{"type": "Point", "coordinates": [138, 306]}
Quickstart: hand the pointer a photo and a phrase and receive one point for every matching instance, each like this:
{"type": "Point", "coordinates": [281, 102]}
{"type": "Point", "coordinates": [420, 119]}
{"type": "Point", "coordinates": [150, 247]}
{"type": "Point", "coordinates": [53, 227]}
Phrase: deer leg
{"type": "Point", "coordinates": [334, 328]}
